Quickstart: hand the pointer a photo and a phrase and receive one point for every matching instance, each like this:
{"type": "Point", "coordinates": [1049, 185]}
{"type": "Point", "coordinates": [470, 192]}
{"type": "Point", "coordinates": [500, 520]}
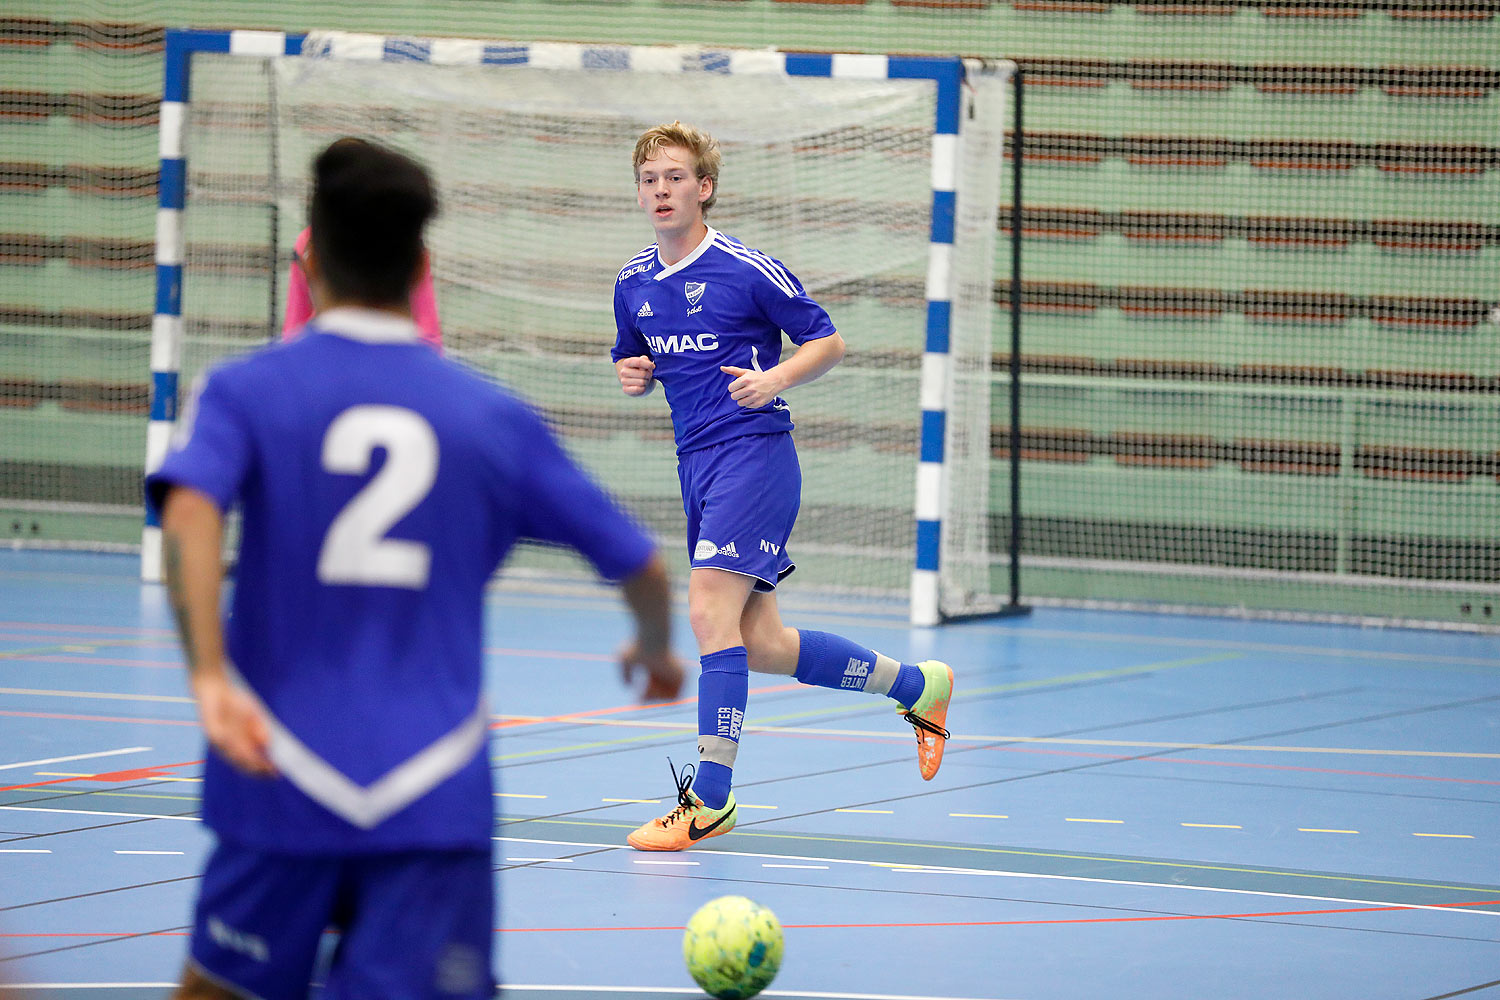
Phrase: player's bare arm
{"type": "Point", "coordinates": [636, 375]}
{"type": "Point", "coordinates": [192, 540]}
{"type": "Point", "coordinates": [812, 360]}
{"type": "Point", "coordinates": [648, 594]}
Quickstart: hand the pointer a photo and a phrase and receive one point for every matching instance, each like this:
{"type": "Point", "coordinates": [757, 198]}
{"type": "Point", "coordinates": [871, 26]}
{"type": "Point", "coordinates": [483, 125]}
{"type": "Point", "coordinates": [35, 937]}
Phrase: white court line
{"type": "Point", "coordinates": [680, 863]}
{"type": "Point", "coordinates": [560, 861]}
{"type": "Point", "coordinates": [548, 988]}
{"type": "Point", "coordinates": [678, 991]}
{"type": "Point", "coordinates": [95, 812]}
{"type": "Point", "coordinates": [76, 756]}
{"type": "Point", "coordinates": [1059, 878]}
{"type": "Point", "coordinates": [1190, 642]}
{"type": "Point", "coordinates": [18, 850]}
{"type": "Point", "coordinates": [815, 867]}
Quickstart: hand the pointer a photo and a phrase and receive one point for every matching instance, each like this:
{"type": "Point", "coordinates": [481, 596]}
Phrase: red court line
{"type": "Point", "coordinates": [1039, 923]}
{"type": "Point", "coordinates": [951, 923]}
{"type": "Point", "coordinates": [634, 707]}
{"type": "Point", "coordinates": [132, 774]}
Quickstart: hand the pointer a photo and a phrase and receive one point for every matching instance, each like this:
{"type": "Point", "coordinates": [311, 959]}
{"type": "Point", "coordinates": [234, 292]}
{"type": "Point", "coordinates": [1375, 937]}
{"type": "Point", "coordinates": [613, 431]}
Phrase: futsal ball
{"type": "Point", "coordinates": [732, 947]}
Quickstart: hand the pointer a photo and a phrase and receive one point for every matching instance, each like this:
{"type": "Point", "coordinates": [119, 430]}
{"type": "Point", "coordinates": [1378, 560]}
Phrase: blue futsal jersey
{"type": "Point", "coordinates": [381, 487]}
{"type": "Point", "coordinates": [722, 304]}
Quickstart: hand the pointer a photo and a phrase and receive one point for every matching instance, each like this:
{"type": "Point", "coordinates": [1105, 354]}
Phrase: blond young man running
{"type": "Point", "coordinates": [704, 315]}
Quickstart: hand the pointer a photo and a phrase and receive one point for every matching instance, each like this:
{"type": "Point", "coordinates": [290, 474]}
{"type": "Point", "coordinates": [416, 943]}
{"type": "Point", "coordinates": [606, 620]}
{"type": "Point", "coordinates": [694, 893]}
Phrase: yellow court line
{"type": "Point", "coordinates": [1452, 836]}
{"type": "Point", "coordinates": [747, 805]}
{"type": "Point", "coordinates": [517, 795]}
{"type": "Point", "coordinates": [116, 795]}
{"type": "Point", "coordinates": [74, 646]}
{"type": "Point", "coordinates": [44, 693]}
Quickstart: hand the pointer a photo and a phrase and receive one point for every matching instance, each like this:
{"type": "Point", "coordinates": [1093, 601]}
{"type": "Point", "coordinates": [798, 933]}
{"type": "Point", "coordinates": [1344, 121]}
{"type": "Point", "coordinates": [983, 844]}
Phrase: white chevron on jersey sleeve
{"type": "Point", "coordinates": [639, 258]}
{"type": "Point", "coordinates": [773, 271]}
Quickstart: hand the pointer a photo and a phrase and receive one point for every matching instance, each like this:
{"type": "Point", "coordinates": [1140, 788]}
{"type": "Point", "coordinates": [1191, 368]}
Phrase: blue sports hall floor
{"type": "Point", "coordinates": [1132, 806]}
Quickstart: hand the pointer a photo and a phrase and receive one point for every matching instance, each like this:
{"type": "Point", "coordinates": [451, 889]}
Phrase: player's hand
{"type": "Point", "coordinates": [664, 672]}
{"type": "Point", "coordinates": [636, 375]}
{"type": "Point", "coordinates": [753, 389]}
{"type": "Point", "coordinates": [234, 724]}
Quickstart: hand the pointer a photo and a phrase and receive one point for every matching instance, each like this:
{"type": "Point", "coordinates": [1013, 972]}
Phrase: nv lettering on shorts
{"type": "Point", "coordinates": [770, 547]}
{"type": "Point", "coordinates": [677, 343]}
{"type": "Point", "coordinates": [233, 939]}
{"type": "Point", "coordinates": [856, 674]}
{"type": "Point", "coordinates": [730, 720]}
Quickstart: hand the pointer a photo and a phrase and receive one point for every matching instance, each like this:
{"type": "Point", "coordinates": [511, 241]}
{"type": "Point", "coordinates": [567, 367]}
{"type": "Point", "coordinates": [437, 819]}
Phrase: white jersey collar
{"type": "Point", "coordinates": [698, 251]}
{"type": "Point", "coordinates": [373, 326]}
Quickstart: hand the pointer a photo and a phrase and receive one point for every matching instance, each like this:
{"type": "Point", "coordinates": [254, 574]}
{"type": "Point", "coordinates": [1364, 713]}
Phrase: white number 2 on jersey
{"type": "Point", "coordinates": [355, 550]}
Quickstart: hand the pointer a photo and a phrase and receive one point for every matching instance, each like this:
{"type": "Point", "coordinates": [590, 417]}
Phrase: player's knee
{"type": "Point", "coordinates": [713, 629]}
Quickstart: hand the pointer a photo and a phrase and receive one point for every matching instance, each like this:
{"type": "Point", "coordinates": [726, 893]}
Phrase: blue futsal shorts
{"type": "Point", "coordinates": [741, 499]}
{"type": "Point", "coordinates": [410, 924]}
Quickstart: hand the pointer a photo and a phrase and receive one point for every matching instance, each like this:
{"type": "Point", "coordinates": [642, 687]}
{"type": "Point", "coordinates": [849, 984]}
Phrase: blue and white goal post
{"type": "Point", "coordinates": [875, 179]}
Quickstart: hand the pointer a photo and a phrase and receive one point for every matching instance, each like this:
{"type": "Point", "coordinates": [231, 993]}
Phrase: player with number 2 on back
{"type": "Point", "coordinates": [347, 781]}
{"type": "Point", "coordinates": [703, 314]}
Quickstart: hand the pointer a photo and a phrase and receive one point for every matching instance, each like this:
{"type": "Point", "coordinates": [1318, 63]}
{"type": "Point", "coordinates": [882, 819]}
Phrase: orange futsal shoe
{"type": "Point", "coordinates": [930, 714]}
{"type": "Point", "coordinates": [688, 824]}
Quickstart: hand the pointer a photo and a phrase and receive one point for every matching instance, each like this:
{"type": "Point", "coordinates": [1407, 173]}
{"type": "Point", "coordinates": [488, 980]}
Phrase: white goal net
{"type": "Point", "coordinates": [833, 176]}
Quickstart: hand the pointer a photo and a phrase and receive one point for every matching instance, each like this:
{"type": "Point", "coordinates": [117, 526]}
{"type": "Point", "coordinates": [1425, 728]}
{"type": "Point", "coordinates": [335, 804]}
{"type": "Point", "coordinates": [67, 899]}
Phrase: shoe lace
{"type": "Point", "coordinates": [685, 801]}
{"type": "Point", "coordinates": [922, 725]}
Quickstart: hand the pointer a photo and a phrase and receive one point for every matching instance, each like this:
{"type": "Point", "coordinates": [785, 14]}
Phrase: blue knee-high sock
{"type": "Point", "coordinates": [831, 661]}
{"type": "Point", "coordinates": [723, 690]}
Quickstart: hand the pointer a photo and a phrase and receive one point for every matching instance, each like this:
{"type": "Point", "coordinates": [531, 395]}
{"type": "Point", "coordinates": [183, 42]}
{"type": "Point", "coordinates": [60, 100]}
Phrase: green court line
{"type": "Point", "coordinates": [1043, 682]}
{"type": "Point", "coordinates": [1054, 856]}
{"type": "Point", "coordinates": [864, 706]}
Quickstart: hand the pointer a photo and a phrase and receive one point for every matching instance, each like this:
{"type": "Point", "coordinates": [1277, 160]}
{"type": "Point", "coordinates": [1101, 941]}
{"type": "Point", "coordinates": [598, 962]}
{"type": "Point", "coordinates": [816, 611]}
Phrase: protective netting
{"type": "Point", "coordinates": [833, 177]}
{"type": "Point", "coordinates": [1261, 243]}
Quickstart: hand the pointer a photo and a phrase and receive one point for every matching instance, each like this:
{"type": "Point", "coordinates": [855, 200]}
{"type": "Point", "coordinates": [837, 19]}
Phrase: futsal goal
{"type": "Point", "coordinates": [876, 179]}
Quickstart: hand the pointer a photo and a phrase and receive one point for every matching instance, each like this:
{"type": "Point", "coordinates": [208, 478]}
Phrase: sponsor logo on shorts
{"type": "Point", "coordinates": [460, 971]}
{"type": "Point", "coordinates": [704, 550]}
{"type": "Point", "coordinates": [252, 946]}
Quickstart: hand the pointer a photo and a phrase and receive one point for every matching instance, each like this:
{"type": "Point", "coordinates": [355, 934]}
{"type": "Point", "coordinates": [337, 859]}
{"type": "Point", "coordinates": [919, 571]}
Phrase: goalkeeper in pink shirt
{"type": "Point", "coordinates": [299, 307]}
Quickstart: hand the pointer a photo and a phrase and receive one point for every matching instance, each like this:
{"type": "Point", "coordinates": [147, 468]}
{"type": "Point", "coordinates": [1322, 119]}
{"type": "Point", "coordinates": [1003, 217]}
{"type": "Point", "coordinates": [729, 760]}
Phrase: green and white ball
{"type": "Point", "coordinates": [732, 947]}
